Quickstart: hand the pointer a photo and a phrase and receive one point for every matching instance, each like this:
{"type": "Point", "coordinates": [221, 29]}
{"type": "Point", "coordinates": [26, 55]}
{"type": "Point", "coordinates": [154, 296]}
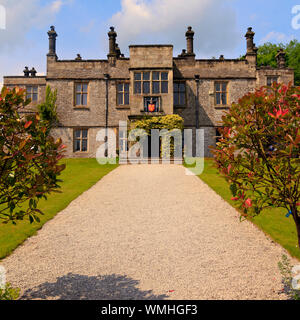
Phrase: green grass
{"type": "Point", "coordinates": [79, 176]}
{"type": "Point", "coordinates": [272, 221]}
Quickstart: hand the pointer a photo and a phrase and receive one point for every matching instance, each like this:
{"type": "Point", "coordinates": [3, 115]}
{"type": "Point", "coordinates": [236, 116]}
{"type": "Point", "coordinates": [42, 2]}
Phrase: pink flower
{"type": "Point", "coordinates": [248, 203]}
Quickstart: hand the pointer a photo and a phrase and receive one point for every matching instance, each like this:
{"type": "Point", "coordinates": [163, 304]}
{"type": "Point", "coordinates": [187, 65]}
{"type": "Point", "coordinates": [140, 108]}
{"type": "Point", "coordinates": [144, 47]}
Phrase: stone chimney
{"type": "Point", "coordinates": [250, 44]}
{"type": "Point", "coordinates": [26, 72]}
{"type": "Point", "coordinates": [190, 42]}
{"type": "Point", "coordinates": [280, 58]}
{"type": "Point", "coordinates": [251, 55]}
{"type": "Point", "coordinates": [33, 72]}
{"type": "Point", "coordinates": [112, 41]}
{"type": "Point", "coordinates": [52, 42]}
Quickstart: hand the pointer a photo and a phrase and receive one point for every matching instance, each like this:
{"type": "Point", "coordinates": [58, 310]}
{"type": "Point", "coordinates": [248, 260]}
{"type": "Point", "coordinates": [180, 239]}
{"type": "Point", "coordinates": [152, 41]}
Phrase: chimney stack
{"type": "Point", "coordinates": [280, 58]}
{"type": "Point", "coordinates": [33, 72]}
{"type": "Point", "coordinates": [190, 42]}
{"type": "Point", "coordinates": [112, 41]}
{"type": "Point", "coordinates": [250, 44]}
{"type": "Point", "coordinates": [52, 41]}
{"type": "Point", "coordinates": [26, 72]}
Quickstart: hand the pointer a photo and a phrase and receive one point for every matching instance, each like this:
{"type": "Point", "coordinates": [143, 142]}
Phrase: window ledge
{"type": "Point", "coordinates": [222, 107]}
{"type": "Point", "coordinates": [81, 107]}
{"type": "Point", "coordinates": [180, 107]}
{"type": "Point", "coordinates": [123, 107]}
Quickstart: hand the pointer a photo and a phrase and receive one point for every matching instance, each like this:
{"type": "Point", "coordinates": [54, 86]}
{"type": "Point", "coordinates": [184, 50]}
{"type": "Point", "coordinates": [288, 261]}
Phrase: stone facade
{"type": "Point", "coordinates": [208, 87]}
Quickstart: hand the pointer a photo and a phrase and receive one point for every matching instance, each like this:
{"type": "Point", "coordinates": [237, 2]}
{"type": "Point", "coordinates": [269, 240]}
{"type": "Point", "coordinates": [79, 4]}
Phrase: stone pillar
{"type": "Point", "coordinates": [251, 55]}
{"type": "Point", "coordinates": [280, 58]}
{"type": "Point", "coordinates": [33, 72]}
{"type": "Point", "coordinates": [26, 72]}
{"type": "Point", "coordinates": [112, 41]}
{"type": "Point", "coordinates": [112, 55]}
{"type": "Point", "coordinates": [190, 41]}
{"type": "Point", "coordinates": [52, 42]}
{"type": "Point", "coordinates": [250, 44]}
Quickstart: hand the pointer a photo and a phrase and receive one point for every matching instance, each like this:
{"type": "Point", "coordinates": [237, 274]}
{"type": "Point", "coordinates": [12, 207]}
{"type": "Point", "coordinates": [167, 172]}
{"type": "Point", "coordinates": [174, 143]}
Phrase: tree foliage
{"type": "Point", "coordinates": [266, 56]}
{"type": "Point", "coordinates": [29, 159]}
{"type": "Point", "coordinates": [47, 109]}
{"type": "Point", "coordinates": [259, 151]}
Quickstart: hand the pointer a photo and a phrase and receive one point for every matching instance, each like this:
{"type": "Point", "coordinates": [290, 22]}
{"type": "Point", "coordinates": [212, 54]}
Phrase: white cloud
{"type": "Point", "coordinates": [152, 21]}
{"type": "Point", "coordinates": [274, 36]}
{"type": "Point", "coordinates": [22, 15]}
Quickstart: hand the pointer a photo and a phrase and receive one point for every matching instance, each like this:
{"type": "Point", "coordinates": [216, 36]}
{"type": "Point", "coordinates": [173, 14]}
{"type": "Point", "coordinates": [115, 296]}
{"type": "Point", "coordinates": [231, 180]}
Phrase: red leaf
{"type": "Point", "coordinates": [28, 124]}
{"type": "Point", "coordinates": [235, 198]}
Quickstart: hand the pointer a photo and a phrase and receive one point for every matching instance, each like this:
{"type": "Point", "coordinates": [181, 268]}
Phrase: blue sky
{"type": "Point", "coordinates": [82, 27]}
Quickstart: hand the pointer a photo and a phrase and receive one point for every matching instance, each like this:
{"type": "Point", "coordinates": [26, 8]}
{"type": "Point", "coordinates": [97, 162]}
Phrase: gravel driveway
{"type": "Point", "coordinates": [147, 232]}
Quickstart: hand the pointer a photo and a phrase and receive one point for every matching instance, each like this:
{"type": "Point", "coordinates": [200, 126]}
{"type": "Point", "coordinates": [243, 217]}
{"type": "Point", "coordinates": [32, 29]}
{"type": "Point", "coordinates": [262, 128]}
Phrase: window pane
{"type": "Point", "coordinates": [164, 76]}
{"type": "Point", "coordinates": [155, 75]}
{"type": "Point", "coordinates": [29, 89]}
{"type": "Point", "coordinates": [146, 75]}
{"type": "Point", "coordinates": [176, 99]}
{"type": "Point", "coordinates": [224, 100]}
{"type": "Point", "coordinates": [175, 87]}
{"type": "Point", "coordinates": [34, 97]}
{"type": "Point", "coordinates": [85, 88]}
{"type": "Point", "coordinates": [218, 98]}
{"type": "Point", "coordinates": [35, 89]}
{"type": "Point", "coordinates": [120, 87]}
{"type": "Point", "coordinates": [182, 98]}
{"type": "Point", "coordinates": [77, 145]}
{"type": "Point", "coordinates": [84, 145]}
{"type": "Point", "coordinates": [164, 87]}
{"type": "Point", "coordinates": [224, 87]}
{"type": "Point", "coordinates": [84, 133]}
{"type": "Point", "coordinates": [126, 98]}
{"type": "Point", "coordinates": [78, 99]}
{"type": "Point", "coordinates": [137, 76]}
{"type": "Point", "coordinates": [218, 87]}
{"type": "Point", "coordinates": [137, 87]}
{"type": "Point", "coordinates": [77, 133]}
{"type": "Point", "coordinates": [126, 87]}
{"type": "Point", "coordinates": [84, 99]}
{"type": "Point", "coordinates": [182, 87]}
{"type": "Point", "coordinates": [146, 87]}
{"type": "Point", "coordinates": [78, 87]}
{"type": "Point", "coordinates": [155, 87]}
{"type": "Point", "coordinates": [28, 96]}
{"type": "Point", "coordinates": [120, 98]}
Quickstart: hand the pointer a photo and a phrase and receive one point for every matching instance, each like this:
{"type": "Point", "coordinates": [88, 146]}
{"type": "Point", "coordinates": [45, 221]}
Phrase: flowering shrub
{"type": "Point", "coordinates": [29, 157]}
{"type": "Point", "coordinates": [259, 151]}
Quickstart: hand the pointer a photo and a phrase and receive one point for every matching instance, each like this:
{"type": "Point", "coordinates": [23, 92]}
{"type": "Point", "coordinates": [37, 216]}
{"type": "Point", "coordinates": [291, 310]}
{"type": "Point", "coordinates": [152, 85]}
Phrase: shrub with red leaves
{"type": "Point", "coordinates": [259, 150]}
{"type": "Point", "coordinates": [29, 159]}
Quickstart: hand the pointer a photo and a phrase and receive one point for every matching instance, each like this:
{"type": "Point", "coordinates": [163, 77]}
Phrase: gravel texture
{"type": "Point", "coordinates": [147, 232]}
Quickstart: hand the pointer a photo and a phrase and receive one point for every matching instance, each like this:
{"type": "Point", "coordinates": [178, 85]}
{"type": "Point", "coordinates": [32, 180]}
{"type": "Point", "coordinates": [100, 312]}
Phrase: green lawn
{"type": "Point", "coordinates": [79, 175]}
{"type": "Point", "coordinates": [272, 221]}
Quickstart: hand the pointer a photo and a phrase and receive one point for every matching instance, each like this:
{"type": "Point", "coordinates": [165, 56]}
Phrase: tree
{"type": "Point", "coordinates": [29, 159]}
{"type": "Point", "coordinates": [266, 56]}
{"type": "Point", "coordinates": [259, 151]}
{"type": "Point", "coordinates": [47, 109]}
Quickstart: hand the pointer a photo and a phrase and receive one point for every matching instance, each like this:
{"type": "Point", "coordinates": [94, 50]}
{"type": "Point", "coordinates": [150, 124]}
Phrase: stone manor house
{"type": "Point", "coordinates": [95, 94]}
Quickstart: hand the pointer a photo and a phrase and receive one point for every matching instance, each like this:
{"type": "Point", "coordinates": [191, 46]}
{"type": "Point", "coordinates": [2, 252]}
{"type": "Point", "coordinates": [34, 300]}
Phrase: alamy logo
{"type": "Point", "coordinates": [2, 277]}
{"type": "Point", "coordinates": [2, 18]}
{"type": "Point", "coordinates": [296, 19]}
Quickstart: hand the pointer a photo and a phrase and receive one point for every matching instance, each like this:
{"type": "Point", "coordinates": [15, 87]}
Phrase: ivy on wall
{"type": "Point", "coordinates": [169, 123]}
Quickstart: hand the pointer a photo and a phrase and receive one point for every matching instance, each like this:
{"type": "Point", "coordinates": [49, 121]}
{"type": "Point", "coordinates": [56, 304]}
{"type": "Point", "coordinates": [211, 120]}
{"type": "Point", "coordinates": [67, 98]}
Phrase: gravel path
{"type": "Point", "coordinates": [147, 232]}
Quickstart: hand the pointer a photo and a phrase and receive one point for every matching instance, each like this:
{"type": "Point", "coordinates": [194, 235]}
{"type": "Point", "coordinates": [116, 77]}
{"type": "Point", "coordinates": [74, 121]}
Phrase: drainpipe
{"type": "Point", "coordinates": [197, 79]}
{"type": "Point", "coordinates": [106, 77]}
